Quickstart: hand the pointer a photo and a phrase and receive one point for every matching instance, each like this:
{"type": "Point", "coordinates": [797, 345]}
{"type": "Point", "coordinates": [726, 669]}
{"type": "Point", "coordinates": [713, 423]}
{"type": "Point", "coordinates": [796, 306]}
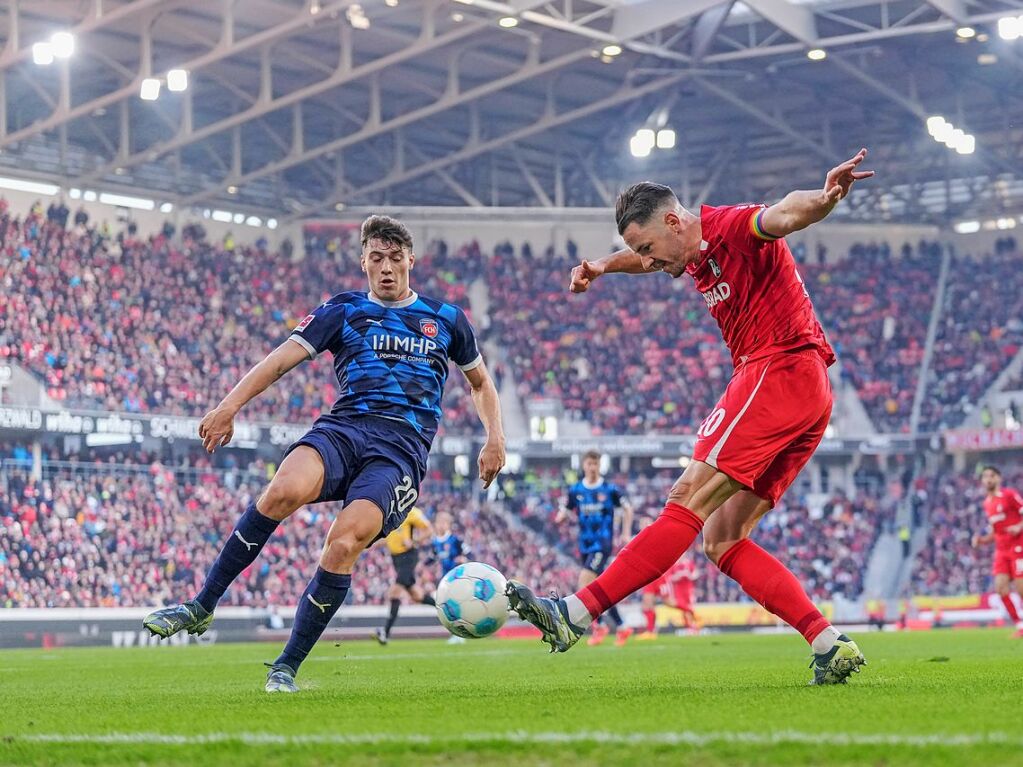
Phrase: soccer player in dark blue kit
{"type": "Point", "coordinates": [449, 551]}
{"type": "Point", "coordinates": [594, 500]}
{"type": "Point", "coordinates": [391, 349]}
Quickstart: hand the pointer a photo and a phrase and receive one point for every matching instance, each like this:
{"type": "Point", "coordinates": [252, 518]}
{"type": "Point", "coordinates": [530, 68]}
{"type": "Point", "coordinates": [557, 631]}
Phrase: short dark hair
{"type": "Point", "coordinates": [591, 454]}
{"type": "Point", "coordinates": [639, 202]}
{"type": "Point", "coordinates": [989, 467]}
{"type": "Point", "coordinates": [388, 230]}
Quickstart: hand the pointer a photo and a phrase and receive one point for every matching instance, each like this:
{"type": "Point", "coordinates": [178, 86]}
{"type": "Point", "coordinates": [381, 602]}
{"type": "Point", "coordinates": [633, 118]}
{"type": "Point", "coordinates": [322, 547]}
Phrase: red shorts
{"type": "Point", "coordinates": [768, 422]}
{"type": "Point", "coordinates": [683, 596]}
{"type": "Point", "coordinates": [1009, 561]}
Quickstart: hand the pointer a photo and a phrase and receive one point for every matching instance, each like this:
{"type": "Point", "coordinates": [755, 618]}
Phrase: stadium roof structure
{"type": "Point", "coordinates": [301, 107]}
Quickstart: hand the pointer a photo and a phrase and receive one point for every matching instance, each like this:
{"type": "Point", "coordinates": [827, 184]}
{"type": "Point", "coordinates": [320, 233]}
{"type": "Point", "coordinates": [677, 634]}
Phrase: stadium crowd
{"type": "Point", "coordinates": [980, 332]}
{"type": "Point", "coordinates": [826, 545]}
{"type": "Point", "coordinates": [169, 325]}
{"type": "Point", "coordinates": [949, 563]}
{"type": "Point", "coordinates": [135, 535]}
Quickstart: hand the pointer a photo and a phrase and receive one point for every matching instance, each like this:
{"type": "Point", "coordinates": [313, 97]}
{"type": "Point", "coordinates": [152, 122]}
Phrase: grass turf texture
{"type": "Point", "coordinates": [715, 700]}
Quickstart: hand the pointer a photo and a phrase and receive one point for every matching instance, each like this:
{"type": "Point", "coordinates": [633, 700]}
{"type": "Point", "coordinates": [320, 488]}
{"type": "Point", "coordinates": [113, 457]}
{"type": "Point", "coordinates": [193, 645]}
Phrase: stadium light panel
{"type": "Point", "coordinates": [665, 138]}
{"type": "Point", "coordinates": [126, 201]}
{"type": "Point", "coordinates": [944, 133]}
{"type": "Point", "coordinates": [967, 227]}
{"type": "Point", "coordinates": [954, 138]}
{"type": "Point", "coordinates": [638, 147]}
{"type": "Point", "coordinates": [42, 54]}
{"type": "Point", "coordinates": [389, 4]}
{"type": "Point", "coordinates": [232, 189]}
{"type": "Point", "coordinates": [966, 32]}
{"type": "Point", "coordinates": [966, 144]}
{"type": "Point", "coordinates": [33, 187]}
{"type": "Point", "coordinates": [271, 223]}
{"type": "Point", "coordinates": [89, 196]}
{"type": "Point", "coordinates": [62, 44]}
{"type": "Point", "coordinates": [611, 50]}
{"type": "Point", "coordinates": [177, 80]}
{"type": "Point", "coordinates": [150, 90]}
{"type": "Point", "coordinates": [166, 207]}
{"type": "Point", "coordinates": [239, 218]}
{"type": "Point", "coordinates": [1006, 223]}
{"type": "Point", "coordinates": [816, 54]}
{"type": "Point", "coordinates": [935, 123]}
{"type": "Point", "coordinates": [647, 136]}
{"type": "Point", "coordinates": [223, 216]}
{"type": "Point", "coordinates": [74, 193]}
{"type": "Point", "coordinates": [254, 221]}
{"type": "Point", "coordinates": [508, 22]}
{"type": "Point", "coordinates": [1010, 27]}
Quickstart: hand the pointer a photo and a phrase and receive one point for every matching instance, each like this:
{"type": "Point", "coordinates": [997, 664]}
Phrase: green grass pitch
{"type": "Point", "coordinates": [934, 698]}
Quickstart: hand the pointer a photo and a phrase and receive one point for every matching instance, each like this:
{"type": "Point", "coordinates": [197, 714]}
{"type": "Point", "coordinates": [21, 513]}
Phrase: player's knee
{"type": "Point", "coordinates": [282, 498]}
{"type": "Point", "coordinates": [714, 550]}
{"type": "Point", "coordinates": [682, 492]}
{"type": "Point", "coordinates": [341, 552]}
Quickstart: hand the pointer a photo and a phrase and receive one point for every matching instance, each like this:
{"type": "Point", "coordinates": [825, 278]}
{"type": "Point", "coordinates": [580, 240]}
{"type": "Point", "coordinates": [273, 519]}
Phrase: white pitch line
{"type": "Point", "coordinates": [681, 738]}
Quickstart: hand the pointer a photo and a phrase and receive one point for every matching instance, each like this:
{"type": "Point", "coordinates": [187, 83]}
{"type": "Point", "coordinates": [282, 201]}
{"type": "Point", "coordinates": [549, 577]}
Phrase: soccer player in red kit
{"type": "Point", "coordinates": [1003, 509]}
{"type": "Point", "coordinates": [764, 428]}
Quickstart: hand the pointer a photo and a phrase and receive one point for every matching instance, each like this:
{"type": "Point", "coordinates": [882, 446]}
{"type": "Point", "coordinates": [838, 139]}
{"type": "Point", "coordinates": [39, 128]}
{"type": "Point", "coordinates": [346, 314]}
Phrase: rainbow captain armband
{"type": "Point", "coordinates": [756, 225]}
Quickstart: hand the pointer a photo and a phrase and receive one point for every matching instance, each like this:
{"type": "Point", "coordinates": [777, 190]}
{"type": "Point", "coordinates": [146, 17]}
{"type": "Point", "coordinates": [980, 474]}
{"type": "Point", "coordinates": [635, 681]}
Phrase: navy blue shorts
{"type": "Point", "coordinates": [595, 561]}
{"type": "Point", "coordinates": [369, 458]}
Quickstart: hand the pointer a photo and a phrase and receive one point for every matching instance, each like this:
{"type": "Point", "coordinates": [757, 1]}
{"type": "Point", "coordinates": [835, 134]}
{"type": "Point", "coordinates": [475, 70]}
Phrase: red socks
{"type": "Point", "coordinates": [1007, 601]}
{"type": "Point", "coordinates": [651, 620]}
{"type": "Point", "coordinates": [771, 584]}
{"type": "Point", "coordinates": [645, 558]}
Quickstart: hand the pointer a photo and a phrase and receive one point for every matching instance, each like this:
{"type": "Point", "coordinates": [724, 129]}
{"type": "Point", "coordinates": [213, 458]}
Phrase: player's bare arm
{"type": "Point", "coordinates": [620, 262]}
{"type": "Point", "coordinates": [983, 540]}
{"type": "Point", "coordinates": [488, 406]}
{"type": "Point", "coordinates": [800, 209]}
{"type": "Point", "coordinates": [217, 426]}
{"type": "Point", "coordinates": [627, 517]}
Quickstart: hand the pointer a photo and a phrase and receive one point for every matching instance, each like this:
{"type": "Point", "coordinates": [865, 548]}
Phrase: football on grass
{"type": "Point", "coordinates": [471, 601]}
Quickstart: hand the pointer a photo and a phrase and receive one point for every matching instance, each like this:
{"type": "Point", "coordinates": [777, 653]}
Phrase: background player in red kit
{"type": "Point", "coordinates": [675, 588]}
{"type": "Point", "coordinates": [764, 428]}
{"type": "Point", "coordinates": [1003, 509]}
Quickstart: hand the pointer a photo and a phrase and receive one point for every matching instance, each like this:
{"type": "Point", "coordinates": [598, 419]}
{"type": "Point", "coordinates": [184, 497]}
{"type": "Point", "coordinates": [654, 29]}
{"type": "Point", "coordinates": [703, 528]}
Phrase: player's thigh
{"type": "Point", "coordinates": [298, 481]}
{"type": "Point", "coordinates": [767, 405]}
{"type": "Point", "coordinates": [1002, 583]}
{"type": "Point", "coordinates": [355, 528]}
{"type": "Point", "coordinates": [732, 522]}
{"type": "Point", "coordinates": [702, 489]}
{"type": "Point", "coordinates": [787, 465]}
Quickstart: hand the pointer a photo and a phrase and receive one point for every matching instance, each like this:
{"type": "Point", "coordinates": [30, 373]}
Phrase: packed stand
{"type": "Point", "coordinates": [827, 547]}
{"type": "Point", "coordinates": [633, 355]}
{"type": "Point", "coordinates": [138, 536]}
{"type": "Point", "coordinates": [949, 564]}
{"type": "Point", "coordinates": [980, 331]}
{"type": "Point", "coordinates": [875, 306]}
{"type": "Point", "coordinates": [169, 325]}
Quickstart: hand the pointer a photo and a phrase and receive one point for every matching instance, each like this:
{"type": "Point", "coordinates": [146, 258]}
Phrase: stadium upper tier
{"type": "Point", "coordinates": [169, 325]}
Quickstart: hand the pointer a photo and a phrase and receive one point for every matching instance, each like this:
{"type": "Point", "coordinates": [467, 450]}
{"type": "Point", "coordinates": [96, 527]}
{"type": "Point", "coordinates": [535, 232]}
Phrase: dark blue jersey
{"type": "Point", "coordinates": [446, 550]}
{"type": "Point", "coordinates": [391, 357]}
{"type": "Point", "coordinates": [595, 507]}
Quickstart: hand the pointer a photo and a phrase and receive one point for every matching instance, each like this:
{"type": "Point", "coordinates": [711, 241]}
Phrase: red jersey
{"type": "Point", "coordinates": [1003, 511]}
{"type": "Point", "coordinates": [749, 280]}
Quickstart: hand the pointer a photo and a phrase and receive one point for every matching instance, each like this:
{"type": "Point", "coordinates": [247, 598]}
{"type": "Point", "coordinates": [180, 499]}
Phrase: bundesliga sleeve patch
{"type": "Point", "coordinates": [304, 323]}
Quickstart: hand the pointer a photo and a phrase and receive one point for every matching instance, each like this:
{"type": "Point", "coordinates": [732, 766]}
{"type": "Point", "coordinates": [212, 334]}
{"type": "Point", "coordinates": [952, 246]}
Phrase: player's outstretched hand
{"type": "Point", "coordinates": [490, 463]}
{"type": "Point", "coordinates": [841, 178]}
{"type": "Point", "coordinates": [216, 428]}
{"type": "Point", "coordinates": [583, 275]}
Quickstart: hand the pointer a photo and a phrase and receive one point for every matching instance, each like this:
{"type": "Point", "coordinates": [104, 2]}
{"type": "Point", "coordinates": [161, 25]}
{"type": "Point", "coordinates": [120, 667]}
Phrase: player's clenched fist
{"type": "Point", "coordinates": [491, 461]}
{"type": "Point", "coordinates": [583, 275]}
{"type": "Point", "coordinates": [216, 428]}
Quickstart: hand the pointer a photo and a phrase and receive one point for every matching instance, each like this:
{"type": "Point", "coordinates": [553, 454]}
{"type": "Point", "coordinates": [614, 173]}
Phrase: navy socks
{"type": "Point", "coordinates": [240, 550]}
{"type": "Point", "coordinates": [322, 598]}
